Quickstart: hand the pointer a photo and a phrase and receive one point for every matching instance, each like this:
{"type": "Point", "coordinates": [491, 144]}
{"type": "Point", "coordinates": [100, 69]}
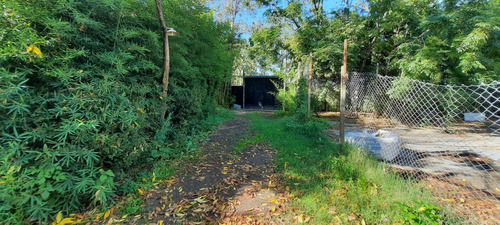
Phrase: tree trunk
{"type": "Point", "coordinates": [166, 60]}
{"type": "Point", "coordinates": [368, 54]}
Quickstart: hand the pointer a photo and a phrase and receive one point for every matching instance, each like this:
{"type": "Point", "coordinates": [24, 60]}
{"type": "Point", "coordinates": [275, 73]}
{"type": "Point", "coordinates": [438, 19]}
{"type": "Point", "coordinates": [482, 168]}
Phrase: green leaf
{"type": "Point", "coordinates": [110, 173]}
{"type": "Point", "coordinates": [45, 194]}
{"type": "Point", "coordinates": [103, 178]}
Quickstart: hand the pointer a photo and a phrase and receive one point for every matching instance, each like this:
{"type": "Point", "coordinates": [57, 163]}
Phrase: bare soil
{"type": "Point", "coordinates": [220, 186]}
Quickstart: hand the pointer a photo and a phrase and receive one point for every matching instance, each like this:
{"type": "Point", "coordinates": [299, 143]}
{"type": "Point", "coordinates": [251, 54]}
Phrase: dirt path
{"type": "Point", "coordinates": [221, 186]}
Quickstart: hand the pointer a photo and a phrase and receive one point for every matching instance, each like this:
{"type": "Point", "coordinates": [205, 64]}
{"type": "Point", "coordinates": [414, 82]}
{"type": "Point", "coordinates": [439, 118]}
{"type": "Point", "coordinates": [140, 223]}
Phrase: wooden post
{"type": "Point", "coordinates": [284, 83]}
{"type": "Point", "coordinates": [309, 86]}
{"type": "Point", "coordinates": [243, 90]}
{"type": "Point", "coordinates": [343, 80]}
{"type": "Point", "coordinates": [299, 72]}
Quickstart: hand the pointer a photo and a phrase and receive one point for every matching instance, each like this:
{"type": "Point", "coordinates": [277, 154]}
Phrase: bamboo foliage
{"type": "Point", "coordinates": [80, 96]}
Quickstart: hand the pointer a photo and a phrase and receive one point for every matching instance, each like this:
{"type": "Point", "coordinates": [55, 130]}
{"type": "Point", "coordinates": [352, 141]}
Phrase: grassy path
{"type": "Point", "coordinates": [256, 169]}
{"type": "Point", "coordinates": [329, 186]}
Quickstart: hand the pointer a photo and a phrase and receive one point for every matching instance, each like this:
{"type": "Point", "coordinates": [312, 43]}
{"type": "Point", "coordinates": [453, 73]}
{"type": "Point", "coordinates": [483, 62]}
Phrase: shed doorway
{"type": "Point", "coordinates": [258, 93]}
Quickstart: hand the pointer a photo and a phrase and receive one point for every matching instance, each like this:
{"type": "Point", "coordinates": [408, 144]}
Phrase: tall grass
{"type": "Point", "coordinates": [327, 185]}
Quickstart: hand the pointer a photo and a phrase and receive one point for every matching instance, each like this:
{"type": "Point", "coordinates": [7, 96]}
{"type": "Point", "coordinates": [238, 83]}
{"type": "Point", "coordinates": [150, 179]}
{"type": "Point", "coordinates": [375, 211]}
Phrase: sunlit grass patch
{"type": "Point", "coordinates": [332, 186]}
{"type": "Point", "coordinates": [247, 142]}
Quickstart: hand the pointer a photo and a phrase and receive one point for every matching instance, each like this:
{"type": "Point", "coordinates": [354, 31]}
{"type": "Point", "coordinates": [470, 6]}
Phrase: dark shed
{"type": "Point", "coordinates": [258, 92]}
{"type": "Point", "coordinates": [237, 93]}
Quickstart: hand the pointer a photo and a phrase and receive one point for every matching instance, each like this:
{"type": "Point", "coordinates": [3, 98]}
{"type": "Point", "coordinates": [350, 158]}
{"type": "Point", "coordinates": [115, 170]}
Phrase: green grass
{"type": "Point", "coordinates": [330, 186]}
{"type": "Point", "coordinates": [246, 142]}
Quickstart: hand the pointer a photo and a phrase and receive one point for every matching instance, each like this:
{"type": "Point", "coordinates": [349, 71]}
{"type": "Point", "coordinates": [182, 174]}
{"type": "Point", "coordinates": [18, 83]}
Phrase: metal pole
{"type": "Point", "coordinates": [343, 80]}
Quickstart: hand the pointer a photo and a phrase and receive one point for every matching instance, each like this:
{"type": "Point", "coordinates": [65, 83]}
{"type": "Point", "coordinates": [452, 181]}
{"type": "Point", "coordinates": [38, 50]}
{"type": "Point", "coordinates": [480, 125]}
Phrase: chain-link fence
{"type": "Point", "coordinates": [447, 137]}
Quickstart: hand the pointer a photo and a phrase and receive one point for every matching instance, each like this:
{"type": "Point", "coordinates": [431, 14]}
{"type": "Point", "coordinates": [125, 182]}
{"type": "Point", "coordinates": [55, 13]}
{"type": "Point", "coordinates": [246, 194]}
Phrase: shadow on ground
{"type": "Point", "coordinates": [221, 186]}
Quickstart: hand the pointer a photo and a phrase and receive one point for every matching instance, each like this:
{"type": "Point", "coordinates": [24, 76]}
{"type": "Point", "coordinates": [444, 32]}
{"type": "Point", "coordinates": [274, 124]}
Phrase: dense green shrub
{"type": "Point", "coordinates": [299, 121]}
{"type": "Point", "coordinates": [80, 96]}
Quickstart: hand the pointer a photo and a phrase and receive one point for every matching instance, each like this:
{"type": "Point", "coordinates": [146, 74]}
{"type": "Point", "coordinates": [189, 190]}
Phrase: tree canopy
{"type": "Point", "coordinates": [452, 42]}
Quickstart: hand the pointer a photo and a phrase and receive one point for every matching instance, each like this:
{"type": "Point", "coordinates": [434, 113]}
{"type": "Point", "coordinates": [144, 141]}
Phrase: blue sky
{"type": "Point", "coordinates": [328, 6]}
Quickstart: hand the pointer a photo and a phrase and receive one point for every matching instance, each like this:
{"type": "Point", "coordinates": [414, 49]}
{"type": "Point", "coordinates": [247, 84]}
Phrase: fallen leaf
{"type": "Point", "coordinates": [140, 191]}
{"type": "Point", "coordinates": [448, 200]}
{"type": "Point", "coordinates": [66, 221]}
{"type": "Point", "coordinates": [271, 185]}
{"type": "Point", "coordinates": [273, 200]}
{"type": "Point", "coordinates": [106, 214]}
{"type": "Point", "coordinates": [160, 222]}
{"type": "Point", "coordinates": [200, 200]}
{"type": "Point", "coordinates": [59, 217]}
{"type": "Point", "coordinates": [96, 193]}
{"type": "Point", "coordinates": [34, 49]}
{"type": "Point", "coordinates": [332, 211]}
{"type": "Point", "coordinates": [30, 48]}
{"type": "Point", "coordinates": [37, 51]}
{"type": "Point", "coordinates": [298, 219]}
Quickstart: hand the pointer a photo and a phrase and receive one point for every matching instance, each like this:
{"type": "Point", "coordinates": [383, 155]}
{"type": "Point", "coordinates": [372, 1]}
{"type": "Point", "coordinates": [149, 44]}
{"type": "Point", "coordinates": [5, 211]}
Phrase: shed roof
{"type": "Point", "coordinates": [271, 77]}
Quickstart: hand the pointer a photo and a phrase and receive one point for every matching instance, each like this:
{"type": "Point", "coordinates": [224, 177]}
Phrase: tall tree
{"type": "Point", "coordinates": [166, 58]}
